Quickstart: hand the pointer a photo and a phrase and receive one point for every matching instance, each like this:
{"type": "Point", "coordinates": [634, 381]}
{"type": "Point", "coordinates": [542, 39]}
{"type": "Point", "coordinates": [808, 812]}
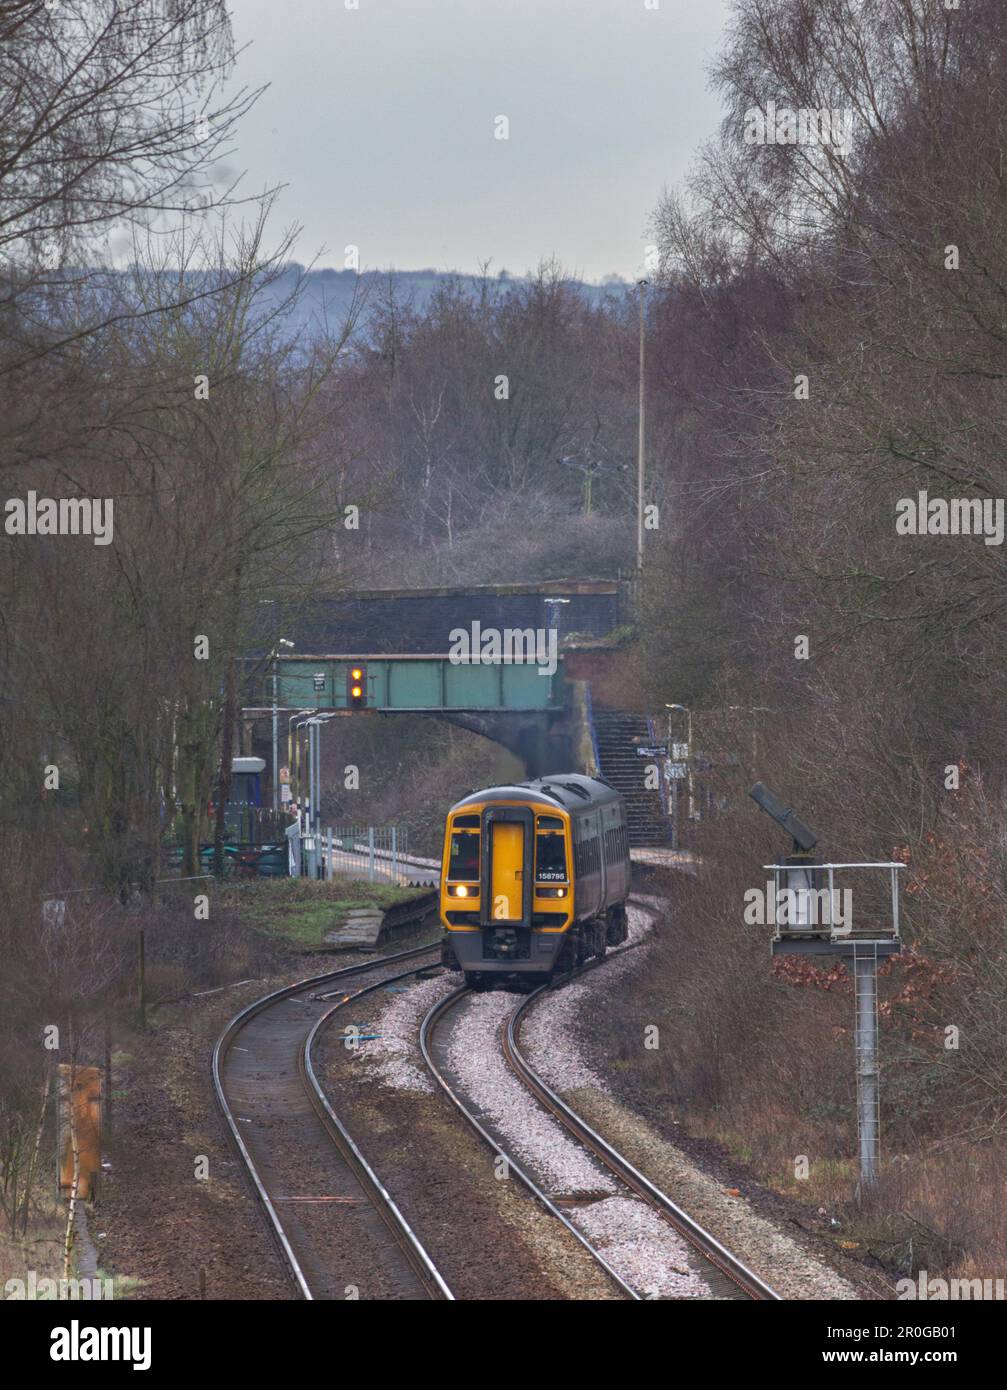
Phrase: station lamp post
{"type": "Point", "coordinates": [298, 721]}
{"type": "Point", "coordinates": [315, 769]}
{"type": "Point", "coordinates": [298, 714]}
{"type": "Point", "coordinates": [641, 436]}
{"type": "Point", "coordinates": [274, 654]}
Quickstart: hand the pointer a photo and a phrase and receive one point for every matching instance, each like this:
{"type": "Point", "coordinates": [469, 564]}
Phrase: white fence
{"type": "Point", "coordinates": [374, 852]}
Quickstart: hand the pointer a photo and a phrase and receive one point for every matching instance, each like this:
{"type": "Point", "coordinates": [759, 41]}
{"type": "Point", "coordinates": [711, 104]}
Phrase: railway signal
{"type": "Point", "coordinates": [356, 687]}
{"type": "Point", "coordinates": [812, 926]}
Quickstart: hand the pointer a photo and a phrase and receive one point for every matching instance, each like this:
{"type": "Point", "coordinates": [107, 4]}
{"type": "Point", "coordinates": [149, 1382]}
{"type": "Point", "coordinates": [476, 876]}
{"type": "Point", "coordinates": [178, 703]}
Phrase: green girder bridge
{"type": "Point", "coordinates": [404, 643]}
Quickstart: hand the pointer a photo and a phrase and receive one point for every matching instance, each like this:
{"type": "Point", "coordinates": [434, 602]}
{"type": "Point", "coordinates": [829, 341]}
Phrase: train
{"type": "Point", "coordinates": [534, 878]}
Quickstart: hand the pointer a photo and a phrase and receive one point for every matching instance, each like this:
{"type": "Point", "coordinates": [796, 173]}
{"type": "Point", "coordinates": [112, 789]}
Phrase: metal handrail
{"type": "Point", "coordinates": [892, 865]}
{"type": "Point", "coordinates": [812, 864]}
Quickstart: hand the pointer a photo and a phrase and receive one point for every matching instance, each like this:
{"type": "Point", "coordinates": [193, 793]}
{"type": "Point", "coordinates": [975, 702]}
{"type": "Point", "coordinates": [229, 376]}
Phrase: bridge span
{"type": "Point", "coordinates": [513, 662]}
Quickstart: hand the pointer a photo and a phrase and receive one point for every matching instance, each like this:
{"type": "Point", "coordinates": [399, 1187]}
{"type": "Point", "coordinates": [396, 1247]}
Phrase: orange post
{"type": "Point", "coordinates": [86, 1103]}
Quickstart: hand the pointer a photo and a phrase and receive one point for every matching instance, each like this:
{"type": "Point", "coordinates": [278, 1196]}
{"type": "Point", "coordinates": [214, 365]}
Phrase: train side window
{"type": "Point", "coordinates": [593, 861]}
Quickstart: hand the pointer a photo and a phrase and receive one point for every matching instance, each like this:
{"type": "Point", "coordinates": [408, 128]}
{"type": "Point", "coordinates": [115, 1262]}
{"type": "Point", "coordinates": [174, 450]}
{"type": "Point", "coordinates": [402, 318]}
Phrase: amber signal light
{"type": "Point", "coordinates": [356, 686]}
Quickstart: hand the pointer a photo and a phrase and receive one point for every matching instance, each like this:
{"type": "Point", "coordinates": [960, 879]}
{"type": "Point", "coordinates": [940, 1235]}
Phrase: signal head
{"type": "Point", "coordinates": [356, 687]}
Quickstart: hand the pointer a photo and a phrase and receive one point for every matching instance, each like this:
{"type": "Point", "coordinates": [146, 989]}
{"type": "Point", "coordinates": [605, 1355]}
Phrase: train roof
{"type": "Point", "coordinates": [571, 790]}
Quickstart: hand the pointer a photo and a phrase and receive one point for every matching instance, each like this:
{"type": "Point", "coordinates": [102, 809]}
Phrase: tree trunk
{"type": "Point", "coordinates": [224, 781]}
{"type": "Point", "coordinates": [33, 1161]}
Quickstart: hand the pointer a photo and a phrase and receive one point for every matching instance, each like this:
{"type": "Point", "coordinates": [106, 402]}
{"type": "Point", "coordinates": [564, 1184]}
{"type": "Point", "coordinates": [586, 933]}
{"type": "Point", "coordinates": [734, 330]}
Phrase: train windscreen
{"type": "Point", "coordinates": [464, 862]}
{"type": "Point", "coordinates": [550, 851]}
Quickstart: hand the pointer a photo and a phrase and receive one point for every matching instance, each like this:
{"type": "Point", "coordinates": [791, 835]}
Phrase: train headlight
{"type": "Point", "coordinates": [459, 890]}
{"type": "Point", "coordinates": [551, 892]}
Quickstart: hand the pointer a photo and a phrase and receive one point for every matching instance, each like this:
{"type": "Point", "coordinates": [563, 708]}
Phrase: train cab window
{"type": "Point", "coordinates": [464, 862]}
{"type": "Point", "coordinates": [550, 851]}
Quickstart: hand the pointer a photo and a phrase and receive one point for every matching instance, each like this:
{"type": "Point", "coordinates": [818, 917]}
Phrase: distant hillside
{"type": "Point", "coordinates": [327, 295]}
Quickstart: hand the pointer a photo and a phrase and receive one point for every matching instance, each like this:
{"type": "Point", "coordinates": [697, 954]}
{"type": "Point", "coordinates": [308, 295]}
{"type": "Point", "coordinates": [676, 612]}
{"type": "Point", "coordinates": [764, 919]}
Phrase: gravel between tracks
{"type": "Point", "coordinates": [644, 1249]}
{"type": "Point", "coordinates": [393, 1057]}
{"type": "Point", "coordinates": [489, 1239]}
{"type": "Point", "coordinates": [532, 1135]}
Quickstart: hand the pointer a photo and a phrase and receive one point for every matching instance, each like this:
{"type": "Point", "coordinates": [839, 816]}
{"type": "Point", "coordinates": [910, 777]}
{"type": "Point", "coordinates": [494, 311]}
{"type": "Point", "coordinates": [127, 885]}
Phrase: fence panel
{"type": "Point", "coordinates": [374, 852]}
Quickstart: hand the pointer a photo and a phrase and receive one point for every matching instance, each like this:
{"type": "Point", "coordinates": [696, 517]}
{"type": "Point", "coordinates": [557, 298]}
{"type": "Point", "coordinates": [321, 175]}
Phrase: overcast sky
{"type": "Point", "coordinates": [381, 122]}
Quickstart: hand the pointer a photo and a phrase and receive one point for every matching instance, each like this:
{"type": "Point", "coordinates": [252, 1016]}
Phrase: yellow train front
{"type": "Point", "coordinates": [534, 878]}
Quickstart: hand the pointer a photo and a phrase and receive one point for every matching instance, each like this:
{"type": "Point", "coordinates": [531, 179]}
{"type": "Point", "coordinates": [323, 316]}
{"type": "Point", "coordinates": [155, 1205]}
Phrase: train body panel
{"type": "Point", "coordinates": [534, 876]}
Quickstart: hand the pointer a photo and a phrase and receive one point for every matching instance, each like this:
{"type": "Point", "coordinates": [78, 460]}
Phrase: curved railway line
{"type": "Point", "coordinates": [632, 1181]}
{"type": "Point", "coordinates": [336, 1227]}
{"type": "Point", "coordinates": [429, 1047]}
{"type": "Point", "coordinates": [620, 1167]}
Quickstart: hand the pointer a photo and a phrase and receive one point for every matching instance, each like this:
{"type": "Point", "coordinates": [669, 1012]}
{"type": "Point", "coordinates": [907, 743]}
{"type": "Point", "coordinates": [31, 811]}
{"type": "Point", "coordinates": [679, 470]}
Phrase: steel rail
{"type": "Point", "coordinates": [423, 1266]}
{"type": "Point", "coordinates": [618, 1164]}
{"type": "Point", "coordinates": [690, 1229]}
{"type": "Point", "coordinates": [220, 1050]}
{"type": "Point", "coordinates": [427, 1029]}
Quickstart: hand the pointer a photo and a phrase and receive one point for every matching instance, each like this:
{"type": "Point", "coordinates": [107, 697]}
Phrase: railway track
{"type": "Point", "coordinates": [430, 1049]}
{"type": "Point", "coordinates": [700, 1239]}
{"type": "Point", "coordinates": [338, 1231]}
{"type": "Point", "coordinates": [629, 1180]}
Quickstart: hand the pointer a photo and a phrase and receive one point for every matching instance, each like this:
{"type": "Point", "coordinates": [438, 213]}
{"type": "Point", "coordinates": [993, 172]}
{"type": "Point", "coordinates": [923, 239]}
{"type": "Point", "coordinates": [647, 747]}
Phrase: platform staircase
{"type": "Point", "coordinates": [618, 735]}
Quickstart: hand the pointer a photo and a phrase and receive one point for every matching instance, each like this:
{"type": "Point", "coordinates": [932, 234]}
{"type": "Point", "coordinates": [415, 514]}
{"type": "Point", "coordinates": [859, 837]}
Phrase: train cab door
{"type": "Point", "coordinates": [507, 873]}
{"type": "Point", "coordinates": [507, 860]}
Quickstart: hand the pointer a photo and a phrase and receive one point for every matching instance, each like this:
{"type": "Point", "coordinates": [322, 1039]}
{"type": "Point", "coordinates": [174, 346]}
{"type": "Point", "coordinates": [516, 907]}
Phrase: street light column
{"type": "Point", "coordinates": [640, 444]}
{"type": "Point", "coordinates": [692, 795]}
{"type": "Point", "coordinates": [276, 741]}
{"type": "Point", "coordinates": [275, 654]}
{"type": "Point", "coordinates": [296, 768]}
